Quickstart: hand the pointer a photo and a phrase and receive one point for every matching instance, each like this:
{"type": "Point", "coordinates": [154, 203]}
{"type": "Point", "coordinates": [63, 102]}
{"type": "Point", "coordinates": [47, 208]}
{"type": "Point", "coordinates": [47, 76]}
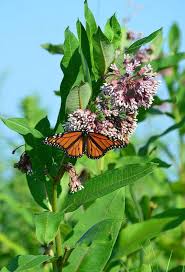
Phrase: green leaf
{"type": "Point", "coordinates": [113, 31]}
{"type": "Point", "coordinates": [73, 73]}
{"type": "Point", "coordinates": [134, 237]}
{"type": "Point", "coordinates": [90, 20]}
{"type": "Point", "coordinates": [26, 262]}
{"type": "Point", "coordinates": [167, 61]}
{"type": "Point", "coordinates": [96, 233]}
{"type": "Point", "coordinates": [174, 38]}
{"type": "Point", "coordinates": [108, 182]}
{"type": "Point", "coordinates": [70, 45]}
{"type": "Point", "coordinates": [20, 125]}
{"type": "Point", "coordinates": [47, 224]}
{"type": "Point", "coordinates": [78, 98]}
{"type": "Point", "coordinates": [144, 150]}
{"type": "Point", "coordinates": [53, 48]}
{"type": "Point", "coordinates": [91, 29]}
{"type": "Point", "coordinates": [136, 45]}
{"type": "Point", "coordinates": [84, 51]}
{"type": "Point", "coordinates": [103, 52]}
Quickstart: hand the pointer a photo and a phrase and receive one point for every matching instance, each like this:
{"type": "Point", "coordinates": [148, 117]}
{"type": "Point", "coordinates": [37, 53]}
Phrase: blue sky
{"type": "Point", "coordinates": [27, 69]}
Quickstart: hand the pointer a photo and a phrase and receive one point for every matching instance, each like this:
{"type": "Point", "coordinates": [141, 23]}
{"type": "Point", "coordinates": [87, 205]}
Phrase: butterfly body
{"type": "Point", "coordinates": [77, 143]}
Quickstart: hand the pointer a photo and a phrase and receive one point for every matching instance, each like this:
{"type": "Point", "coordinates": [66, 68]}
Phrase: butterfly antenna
{"type": "Point", "coordinates": [13, 152]}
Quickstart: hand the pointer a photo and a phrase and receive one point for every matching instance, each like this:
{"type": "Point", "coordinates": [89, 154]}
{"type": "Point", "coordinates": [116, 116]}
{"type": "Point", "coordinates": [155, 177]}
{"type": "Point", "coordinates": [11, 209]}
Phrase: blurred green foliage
{"type": "Point", "coordinates": [114, 224]}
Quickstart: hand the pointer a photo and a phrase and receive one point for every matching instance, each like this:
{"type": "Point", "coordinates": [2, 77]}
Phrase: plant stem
{"type": "Point", "coordinates": [140, 216]}
{"type": "Point", "coordinates": [57, 267]}
{"type": "Point", "coordinates": [58, 240]}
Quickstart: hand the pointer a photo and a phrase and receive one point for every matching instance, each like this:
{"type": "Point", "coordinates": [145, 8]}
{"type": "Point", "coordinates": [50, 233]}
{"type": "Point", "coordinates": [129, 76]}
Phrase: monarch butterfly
{"type": "Point", "coordinates": [77, 143]}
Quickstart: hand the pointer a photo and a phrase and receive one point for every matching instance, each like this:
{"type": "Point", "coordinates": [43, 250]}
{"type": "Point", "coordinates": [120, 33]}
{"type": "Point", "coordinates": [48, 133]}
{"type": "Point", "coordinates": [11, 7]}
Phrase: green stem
{"type": "Point", "coordinates": [140, 216]}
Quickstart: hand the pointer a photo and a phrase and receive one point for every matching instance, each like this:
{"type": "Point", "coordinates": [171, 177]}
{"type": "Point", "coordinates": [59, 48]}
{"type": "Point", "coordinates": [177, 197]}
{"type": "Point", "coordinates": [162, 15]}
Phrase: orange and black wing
{"type": "Point", "coordinates": [97, 145]}
{"type": "Point", "coordinates": [72, 143]}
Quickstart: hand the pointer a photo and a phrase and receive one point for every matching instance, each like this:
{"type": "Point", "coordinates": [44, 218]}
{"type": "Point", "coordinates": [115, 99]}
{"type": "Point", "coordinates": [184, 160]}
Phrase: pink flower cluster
{"type": "Point", "coordinates": [119, 100]}
{"type": "Point", "coordinates": [75, 183]}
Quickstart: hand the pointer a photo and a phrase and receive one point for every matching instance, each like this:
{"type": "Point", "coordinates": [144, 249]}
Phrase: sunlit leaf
{"type": "Point", "coordinates": [174, 38]}
{"type": "Point", "coordinates": [20, 125]}
{"type": "Point", "coordinates": [136, 45]}
{"type": "Point", "coordinates": [96, 233]}
{"type": "Point", "coordinates": [26, 262]}
{"type": "Point", "coordinates": [134, 237]}
{"type": "Point", "coordinates": [103, 52]}
{"type": "Point", "coordinates": [108, 182]}
{"type": "Point", "coordinates": [47, 224]}
{"type": "Point", "coordinates": [78, 98]}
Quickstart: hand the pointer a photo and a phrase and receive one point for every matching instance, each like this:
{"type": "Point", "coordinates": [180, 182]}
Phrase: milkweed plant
{"type": "Point", "coordinates": [89, 216]}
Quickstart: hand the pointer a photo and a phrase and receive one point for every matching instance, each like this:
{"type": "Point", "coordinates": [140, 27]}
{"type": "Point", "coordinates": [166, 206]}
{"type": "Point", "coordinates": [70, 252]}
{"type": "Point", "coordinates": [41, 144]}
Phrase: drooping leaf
{"type": "Point", "coordinates": [78, 98]}
{"type": "Point", "coordinates": [103, 52]}
{"type": "Point", "coordinates": [53, 48]}
{"type": "Point", "coordinates": [47, 224]}
{"type": "Point", "coordinates": [95, 233]}
{"type": "Point", "coordinates": [106, 183]}
{"type": "Point", "coordinates": [174, 38]}
{"type": "Point", "coordinates": [134, 237]}
{"type": "Point", "coordinates": [136, 45]}
{"type": "Point", "coordinates": [20, 125]}
{"type": "Point", "coordinates": [26, 262]}
{"type": "Point", "coordinates": [144, 150]}
{"type": "Point", "coordinates": [113, 31]}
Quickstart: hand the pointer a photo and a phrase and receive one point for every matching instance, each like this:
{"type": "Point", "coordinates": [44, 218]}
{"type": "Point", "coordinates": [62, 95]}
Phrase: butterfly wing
{"type": "Point", "coordinates": [72, 143]}
{"type": "Point", "coordinates": [97, 145]}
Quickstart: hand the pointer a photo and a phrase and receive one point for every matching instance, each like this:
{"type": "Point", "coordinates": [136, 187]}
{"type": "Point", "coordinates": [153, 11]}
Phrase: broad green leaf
{"type": "Point", "coordinates": [90, 20]}
{"type": "Point", "coordinates": [26, 262]}
{"type": "Point", "coordinates": [113, 31]}
{"type": "Point", "coordinates": [73, 73]}
{"type": "Point", "coordinates": [11, 245]}
{"type": "Point", "coordinates": [143, 268]}
{"type": "Point", "coordinates": [78, 98]}
{"type": "Point", "coordinates": [38, 186]}
{"type": "Point", "coordinates": [20, 125]}
{"type": "Point", "coordinates": [144, 150]}
{"type": "Point", "coordinates": [174, 38]}
{"type": "Point", "coordinates": [70, 45]}
{"type": "Point", "coordinates": [47, 224]}
{"type": "Point", "coordinates": [53, 48]}
{"type": "Point", "coordinates": [84, 51]}
{"type": "Point", "coordinates": [91, 29]}
{"type": "Point", "coordinates": [136, 45]}
{"type": "Point", "coordinates": [96, 233]}
{"type": "Point", "coordinates": [134, 237]}
{"type": "Point", "coordinates": [106, 183]}
{"type": "Point", "coordinates": [167, 61]}
{"type": "Point", "coordinates": [156, 46]}
{"type": "Point", "coordinates": [103, 52]}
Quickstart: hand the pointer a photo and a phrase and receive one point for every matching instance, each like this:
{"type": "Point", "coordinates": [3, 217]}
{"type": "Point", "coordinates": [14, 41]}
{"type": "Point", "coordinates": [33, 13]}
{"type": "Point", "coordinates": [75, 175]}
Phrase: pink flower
{"type": "Point", "coordinates": [74, 184]}
{"type": "Point", "coordinates": [81, 120]}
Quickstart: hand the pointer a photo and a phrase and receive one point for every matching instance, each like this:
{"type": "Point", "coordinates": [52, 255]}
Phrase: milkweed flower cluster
{"type": "Point", "coordinates": [75, 183]}
{"type": "Point", "coordinates": [24, 164]}
{"type": "Point", "coordinates": [120, 98]}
